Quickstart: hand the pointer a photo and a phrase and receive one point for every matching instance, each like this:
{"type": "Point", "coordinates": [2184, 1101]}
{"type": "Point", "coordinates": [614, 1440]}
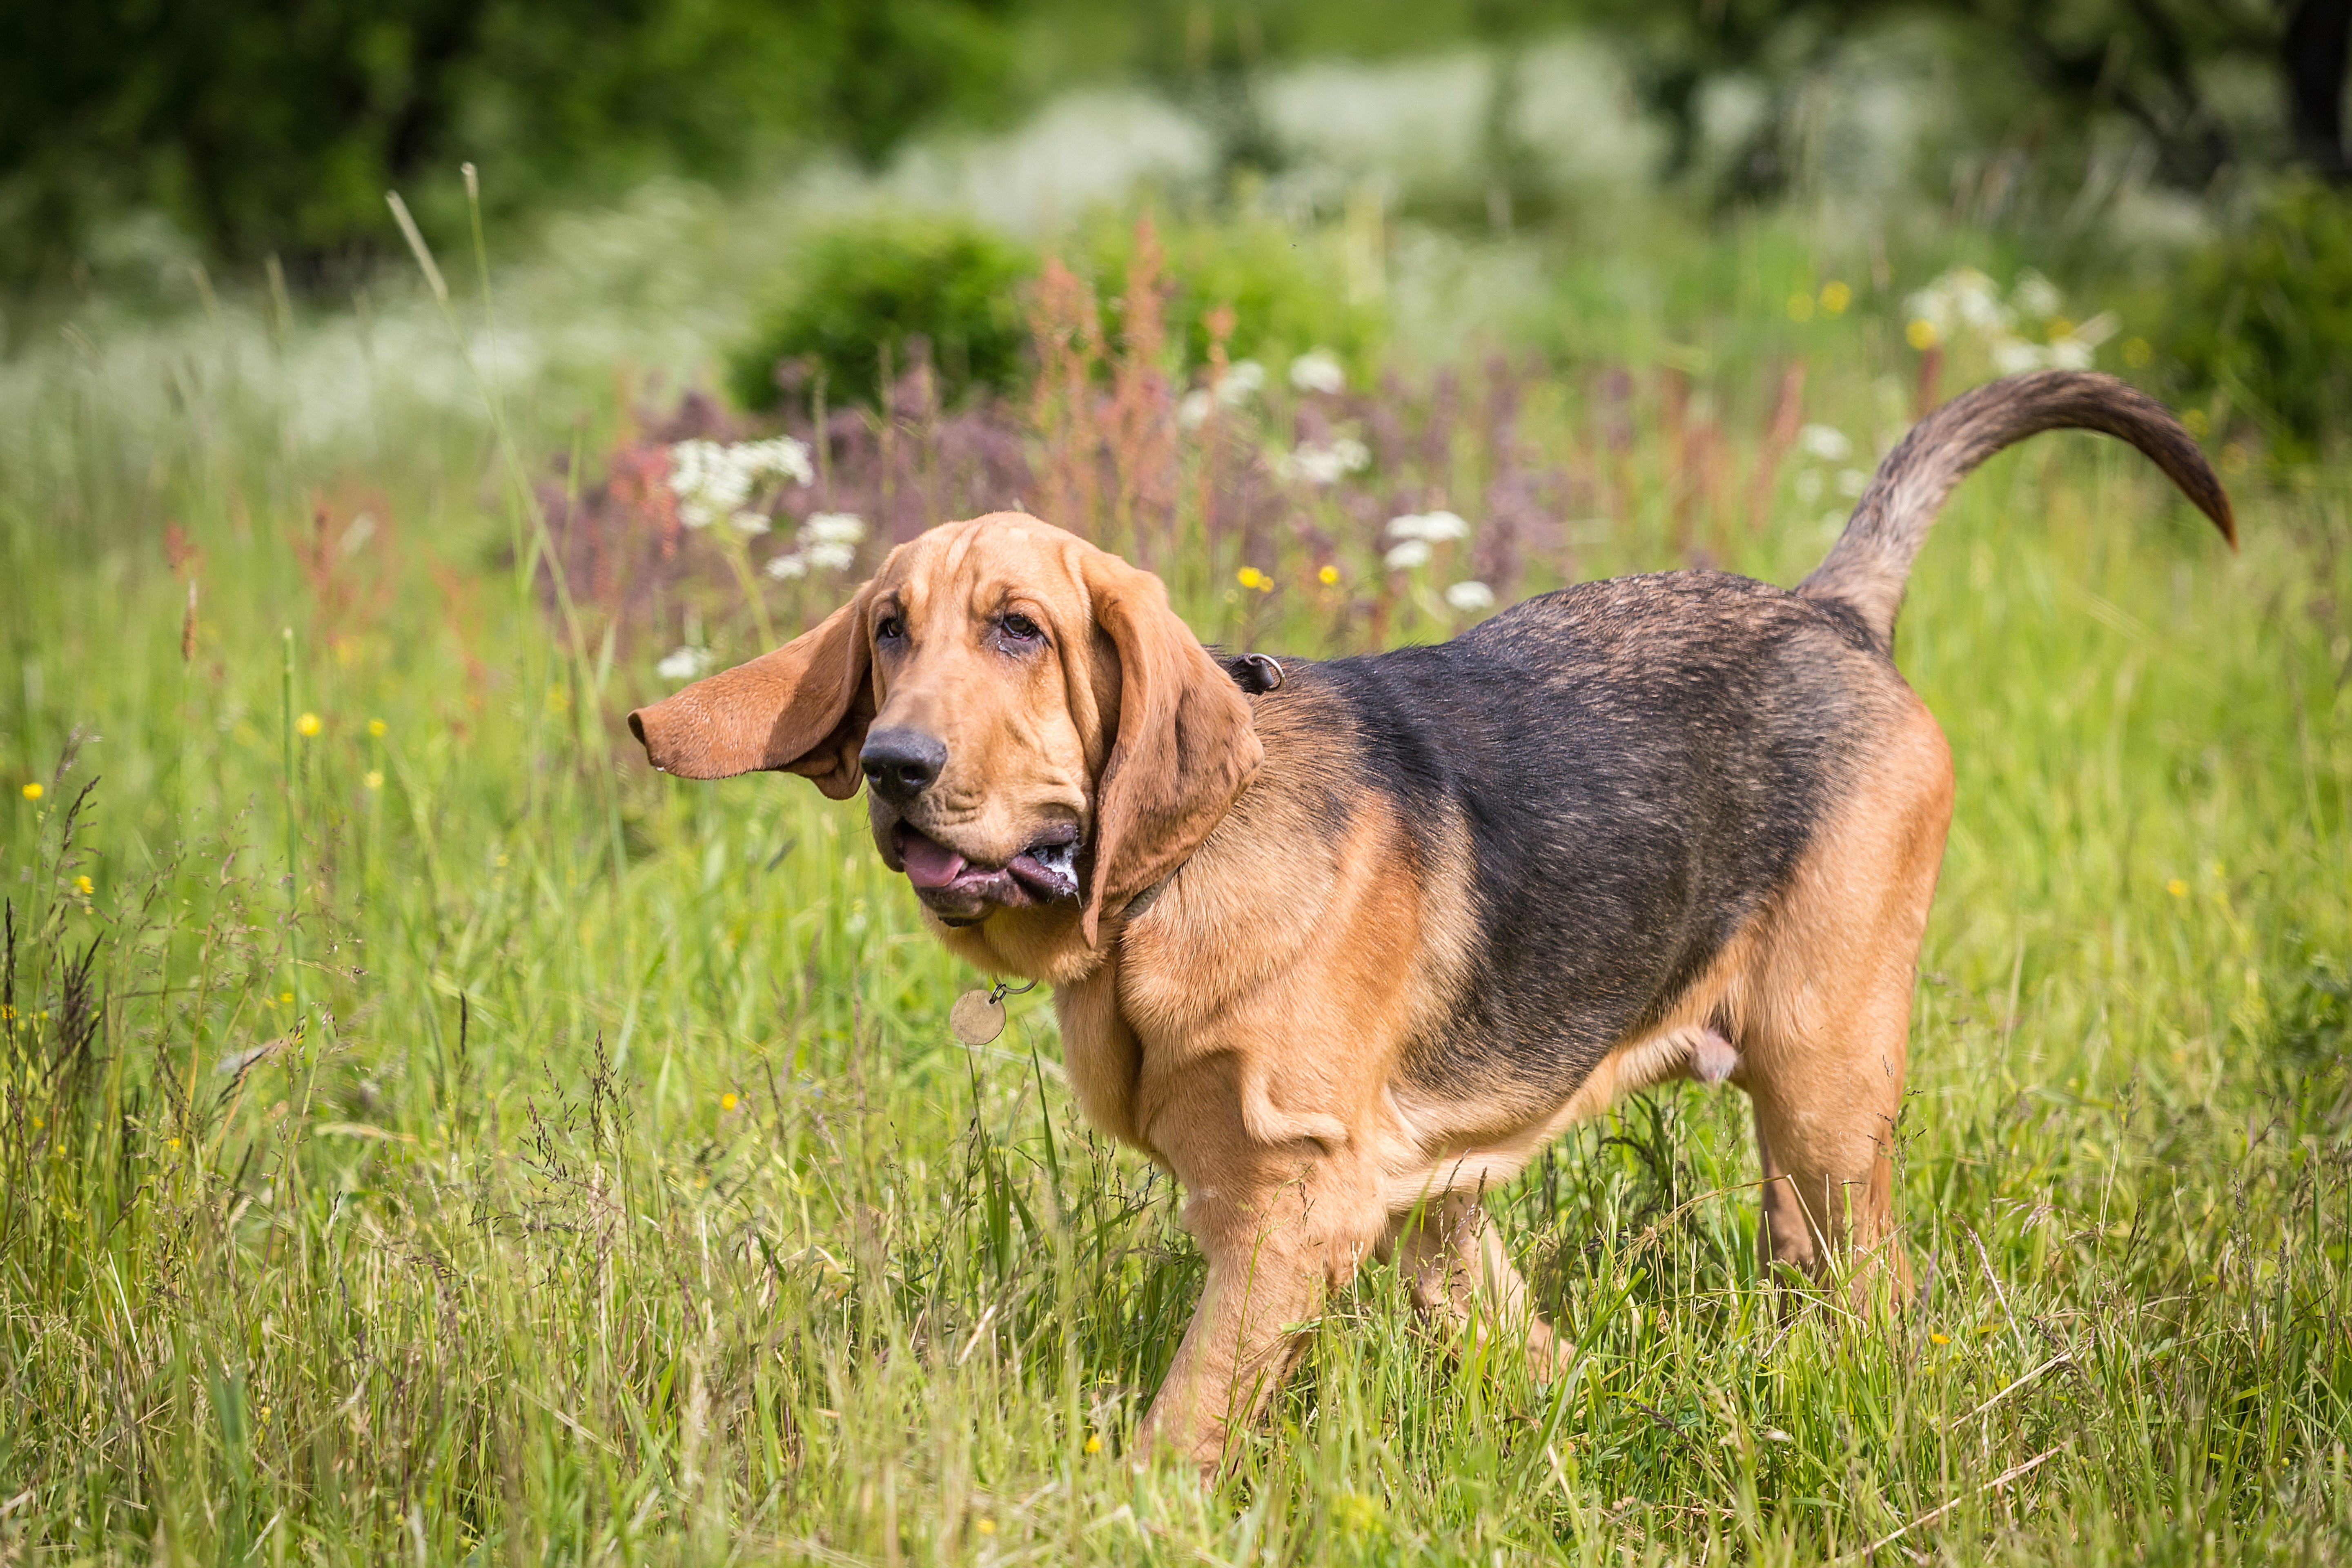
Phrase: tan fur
{"type": "Point", "coordinates": [1249, 1024]}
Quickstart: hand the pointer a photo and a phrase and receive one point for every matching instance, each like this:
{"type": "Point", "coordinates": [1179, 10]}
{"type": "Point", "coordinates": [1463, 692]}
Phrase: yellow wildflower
{"type": "Point", "coordinates": [286, 996]}
{"type": "Point", "coordinates": [2176, 887]}
{"type": "Point", "coordinates": [375, 778]}
{"type": "Point", "coordinates": [307, 725]}
{"type": "Point", "coordinates": [986, 1527]}
{"type": "Point", "coordinates": [375, 726]}
{"type": "Point", "coordinates": [1940, 1339]}
{"type": "Point", "coordinates": [726, 1103]}
{"type": "Point", "coordinates": [1246, 576]}
{"type": "Point", "coordinates": [1327, 576]}
{"type": "Point", "coordinates": [32, 792]}
{"type": "Point", "coordinates": [82, 886]}
{"type": "Point", "coordinates": [1920, 334]}
{"type": "Point", "coordinates": [1094, 1443]}
{"type": "Point", "coordinates": [1835, 297]}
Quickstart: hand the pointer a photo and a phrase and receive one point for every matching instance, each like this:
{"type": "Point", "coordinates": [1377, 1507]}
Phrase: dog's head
{"type": "Point", "coordinates": [1035, 725]}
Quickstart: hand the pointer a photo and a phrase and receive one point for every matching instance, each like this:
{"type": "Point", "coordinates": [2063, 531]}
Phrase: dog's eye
{"type": "Point", "coordinates": [1019, 629]}
{"type": "Point", "coordinates": [889, 628]}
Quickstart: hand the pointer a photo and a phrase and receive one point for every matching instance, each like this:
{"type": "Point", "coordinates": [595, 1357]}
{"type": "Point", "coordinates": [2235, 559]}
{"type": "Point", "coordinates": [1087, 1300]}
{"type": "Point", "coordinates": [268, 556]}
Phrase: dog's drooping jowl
{"type": "Point", "coordinates": [1342, 943]}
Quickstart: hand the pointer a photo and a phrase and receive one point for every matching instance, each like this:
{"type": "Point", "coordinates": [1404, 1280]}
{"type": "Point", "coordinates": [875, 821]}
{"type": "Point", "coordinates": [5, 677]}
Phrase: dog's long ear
{"type": "Point", "coordinates": [802, 709]}
{"type": "Point", "coordinates": [1184, 749]}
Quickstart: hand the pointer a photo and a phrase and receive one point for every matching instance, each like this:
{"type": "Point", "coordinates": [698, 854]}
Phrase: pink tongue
{"type": "Point", "coordinates": [928, 864]}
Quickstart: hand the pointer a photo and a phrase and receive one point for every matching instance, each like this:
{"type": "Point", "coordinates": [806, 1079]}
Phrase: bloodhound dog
{"type": "Point", "coordinates": [1342, 943]}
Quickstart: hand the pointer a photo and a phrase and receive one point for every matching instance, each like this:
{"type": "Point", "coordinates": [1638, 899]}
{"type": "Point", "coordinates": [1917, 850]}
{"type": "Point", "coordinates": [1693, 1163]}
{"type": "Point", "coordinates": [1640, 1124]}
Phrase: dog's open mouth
{"type": "Point", "coordinates": [957, 888]}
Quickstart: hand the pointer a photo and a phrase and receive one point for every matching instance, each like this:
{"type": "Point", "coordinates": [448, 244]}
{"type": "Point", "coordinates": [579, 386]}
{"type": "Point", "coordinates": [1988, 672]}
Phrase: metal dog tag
{"type": "Point", "coordinates": [977, 1017]}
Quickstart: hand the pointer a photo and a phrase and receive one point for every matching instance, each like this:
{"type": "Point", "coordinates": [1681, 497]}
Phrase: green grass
{"type": "Point", "coordinates": [557, 1163]}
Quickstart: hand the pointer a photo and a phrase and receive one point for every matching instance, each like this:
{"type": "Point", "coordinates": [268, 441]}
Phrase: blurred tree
{"type": "Point", "coordinates": [277, 126]}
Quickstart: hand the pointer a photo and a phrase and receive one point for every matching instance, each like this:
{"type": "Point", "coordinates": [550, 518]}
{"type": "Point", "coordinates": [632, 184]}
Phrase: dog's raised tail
{"type": "Point", "coordinates": [1866, 568]}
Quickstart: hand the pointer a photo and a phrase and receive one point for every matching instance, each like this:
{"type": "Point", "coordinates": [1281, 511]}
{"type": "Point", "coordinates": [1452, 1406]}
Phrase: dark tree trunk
{"type": "Point", "coordinates": [2314, 50]}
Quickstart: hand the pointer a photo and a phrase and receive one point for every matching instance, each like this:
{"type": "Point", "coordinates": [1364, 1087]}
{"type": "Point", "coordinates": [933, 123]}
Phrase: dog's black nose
{"type": "Point", "coordinates": [902, 763]}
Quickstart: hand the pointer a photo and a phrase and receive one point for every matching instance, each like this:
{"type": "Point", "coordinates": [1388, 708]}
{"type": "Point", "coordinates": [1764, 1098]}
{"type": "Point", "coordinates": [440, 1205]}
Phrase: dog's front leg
{"type": "Point", "coordinates": [1281, 1226]}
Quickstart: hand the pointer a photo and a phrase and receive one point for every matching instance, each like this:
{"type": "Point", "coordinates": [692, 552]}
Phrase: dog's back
{"type": "Point", "coordinates": [1632, 766]}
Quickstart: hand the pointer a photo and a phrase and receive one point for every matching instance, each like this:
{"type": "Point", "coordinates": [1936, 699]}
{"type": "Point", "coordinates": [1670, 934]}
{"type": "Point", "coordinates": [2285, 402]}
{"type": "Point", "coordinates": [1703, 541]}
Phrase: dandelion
{"type": "Point", "coordinates": [1921, 334]}
{"type": "Point", "coordinates": [376, 727]}
{"type": "Point", "coordinates": [2176, 887]}
{"type": "Point", "coordinates": [1470, 596]}
{"type": "Point", "coordinates": [1328, 576]}
{"type": "Point", "coordinates": [1835, 297]}
{"type": "Point", "coordinates": [374, 779]}
{"type": "Point", "coordinates": [82, 886]}
{"type": "Point", "coordinates": [1800, 307]}
{"type": "Point", "coordinates": [684, 664]}
{"type": "Point", "coordinates": [1319, 370]}
{"type": "Point", "coordinates": [1435, 527]}
{"type": "Point", "coordinates": [32, 792]}
{"type": "Point", "coordinates": [1409, 555]}
{"type": "Point", "coordinates": [307, 725]}
{"type": "Point", "coordinates": [1825, 442]}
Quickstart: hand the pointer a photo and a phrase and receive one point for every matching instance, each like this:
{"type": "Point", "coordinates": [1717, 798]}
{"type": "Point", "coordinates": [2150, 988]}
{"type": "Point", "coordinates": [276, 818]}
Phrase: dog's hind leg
{"type": "Point", "coordinates": [1453, 1261]}
{"type": "Point", "coordinates": [1824, 1045]}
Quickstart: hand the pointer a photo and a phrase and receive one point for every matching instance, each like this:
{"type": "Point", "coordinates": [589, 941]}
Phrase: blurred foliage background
{"type": "Point", "coordinates": [148, 150]}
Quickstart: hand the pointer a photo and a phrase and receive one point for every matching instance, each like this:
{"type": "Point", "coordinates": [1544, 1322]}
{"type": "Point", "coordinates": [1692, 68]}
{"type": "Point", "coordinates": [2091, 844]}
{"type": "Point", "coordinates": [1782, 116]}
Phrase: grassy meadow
{"type": "Point", "coordinates": [426, 1135]}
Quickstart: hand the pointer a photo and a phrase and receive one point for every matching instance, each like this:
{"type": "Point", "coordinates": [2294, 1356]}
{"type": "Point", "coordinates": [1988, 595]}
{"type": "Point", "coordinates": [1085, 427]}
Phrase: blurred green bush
{"type": "Point", "coordinates": [1290, 290]}
{"type": "Point", "coordinates": [870, 283]}
{"type": "Point", "coordinates": [882, 280]}
{"type": "Point", "coordinates": [2265, 317]}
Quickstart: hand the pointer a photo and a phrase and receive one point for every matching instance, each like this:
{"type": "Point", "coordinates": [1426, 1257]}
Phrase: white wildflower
{"type": "Point", "coordinates": [1470, 596]}
{"type": "Point", "coordinates": [834, 528]}
{"type": "Point", "coordinates": [1809, 486]}
{"type": "Point", "coordinates": [826, 556]}
{"type": "Point", "coordinates": [712, 481]}
{"type": "Point", "coordinates": [2014, 356]}
{"type": "Point", "coordinates": [1319, 370]}
{"type": "Point", "coordinates": [1436, 527]}
{"type": "Point", "coordinates": [785, 568]}
{"type": "Point", "coordinates": [2036, 295]}
{"type": "Point", "coordinates": [1825, 442]}
{"type": "Point", "coordinates": [1324, 465]}
{"type": "Point", "coordinates": [684, 664]}
{"type": "Point", "coordinates": [1244, 379]}
{"type": "Point", "coordinates": [1410, 554]}
{"type": "Point", "coordinates": [780, 458]}
{"type": "Point", "coordinates": [1194, 412]}
{"type": "Point", "coordinates": [1850, 482]}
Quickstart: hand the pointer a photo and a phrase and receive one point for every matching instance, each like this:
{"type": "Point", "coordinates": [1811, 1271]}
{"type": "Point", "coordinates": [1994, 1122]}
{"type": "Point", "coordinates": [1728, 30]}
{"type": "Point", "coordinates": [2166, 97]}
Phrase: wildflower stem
{"type": "Point", "coordinates": [293, 827]}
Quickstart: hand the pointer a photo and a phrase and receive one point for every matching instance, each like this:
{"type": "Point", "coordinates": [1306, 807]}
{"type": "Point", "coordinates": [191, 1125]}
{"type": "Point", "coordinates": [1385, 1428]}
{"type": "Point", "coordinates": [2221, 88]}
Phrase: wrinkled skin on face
{"type": "Point", "coordinates": [993, 653]}
{"type": "Point", "coordinates": [1042, 737]}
